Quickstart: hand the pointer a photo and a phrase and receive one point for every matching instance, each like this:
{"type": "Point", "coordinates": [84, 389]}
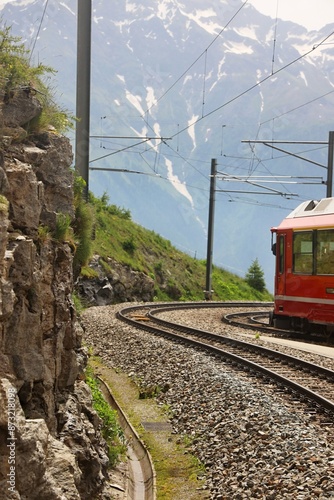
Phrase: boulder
{"type": "Point", "coordinates": [20, 108]}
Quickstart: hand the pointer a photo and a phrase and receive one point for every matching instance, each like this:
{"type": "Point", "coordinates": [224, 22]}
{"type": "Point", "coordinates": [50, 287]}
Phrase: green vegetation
{"type": "Point", "coordinates": [17, 74]}
{"type": "Point", "coordinates": [177, 276]}
{"type": "Point", "coordinates": [255, 277]}
{"type": "Point", "coordinates": [44, 234]}
{"type": "Point", "coordinates": [4, 204]}
{"type": "Point", "coordinates": [83, 226]}
{"type": "Point", "coordinates": [63, 227]}
{"type": "Point", "coordinates": [111, 431]}
{"type": "Point", "coordinates": [179, 474]}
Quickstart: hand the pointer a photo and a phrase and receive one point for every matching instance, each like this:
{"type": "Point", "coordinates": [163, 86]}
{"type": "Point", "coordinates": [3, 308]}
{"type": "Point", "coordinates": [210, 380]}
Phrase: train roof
{"type": "Point", "coordinates": [310, 214]}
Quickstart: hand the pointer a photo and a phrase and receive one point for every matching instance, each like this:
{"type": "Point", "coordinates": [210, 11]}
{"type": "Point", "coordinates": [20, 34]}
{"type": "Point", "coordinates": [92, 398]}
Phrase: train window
{"type": "Point", "coordinates": [303, 252]}
{"type": "Point", "coordinates": [325, 251]}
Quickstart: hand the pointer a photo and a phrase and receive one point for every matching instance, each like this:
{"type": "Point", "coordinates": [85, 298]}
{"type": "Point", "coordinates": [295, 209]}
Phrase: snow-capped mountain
{"type": "Point", "coordinates": [204, 77]}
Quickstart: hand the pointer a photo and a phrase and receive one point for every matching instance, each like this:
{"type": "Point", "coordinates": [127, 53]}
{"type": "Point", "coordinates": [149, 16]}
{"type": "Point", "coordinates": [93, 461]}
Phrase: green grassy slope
{"type": "Point", "coordinates": [177, 276]}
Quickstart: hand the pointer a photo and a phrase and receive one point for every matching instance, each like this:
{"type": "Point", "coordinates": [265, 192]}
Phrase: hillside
{"type": "Point", "coordinates": [169, 273]}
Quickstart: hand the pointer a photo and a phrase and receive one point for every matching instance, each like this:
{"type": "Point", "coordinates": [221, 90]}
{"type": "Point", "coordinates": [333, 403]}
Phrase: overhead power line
{"type": "Point", "coordinates": [297, 107]}
{"type": "Point", "coordinates": [197, 59]}
{"type": "Point", "coordinates": [39, 29]}
{"type": "Point", "coordinates": [252, 87]}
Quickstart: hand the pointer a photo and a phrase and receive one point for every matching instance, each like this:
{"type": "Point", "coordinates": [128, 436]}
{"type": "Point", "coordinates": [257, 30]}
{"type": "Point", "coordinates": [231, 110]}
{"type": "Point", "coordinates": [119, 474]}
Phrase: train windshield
{"type": "Point", "coordinates": [303, 252]}
{"type": "Point", "coordinates": [325, 251]}
{"type": "Point", "coordinates": [313, 252]}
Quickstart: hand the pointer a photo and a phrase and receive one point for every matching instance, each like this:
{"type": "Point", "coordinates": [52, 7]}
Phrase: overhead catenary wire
{"type": "Point", "coordinates": [197, 59]}
{"type": "Point", "coordinates": [204, 80]}
{"type": "Point", "coordinates": [275, 35]}
{"type": "Point", "coordinates": [39, 29]}
{"type": "Point", "coordinates": [252, 87]}
{"type": "Point", "coordinates": [204, 115]}
{"type": "Point", "coordinates": [297, 107]}
{"type": "Point", "coordinates": [224, 104]}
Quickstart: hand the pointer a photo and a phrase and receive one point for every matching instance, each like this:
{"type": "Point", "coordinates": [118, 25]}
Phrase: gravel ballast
{"type": "Point", "coordinates": [253, 443]}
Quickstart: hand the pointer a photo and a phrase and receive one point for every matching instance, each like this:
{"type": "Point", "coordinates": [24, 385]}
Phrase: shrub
{"type": "Point", "coordinates": [83, 229]}
{"type": "Point", "coordinates": [111, 431]}
{"type": "Point", "coordinates": [44, 233]}
{"type": "Point", "coordinates": [4, 204]}
{"type": "Point", "coordinates": [78, 304]}
{"type": "Point", "coordinates": [102, 205]}
{"type": "Point", "coordinates": [129, 245]}
{"type": "Point", "coordinates": [63, 227]}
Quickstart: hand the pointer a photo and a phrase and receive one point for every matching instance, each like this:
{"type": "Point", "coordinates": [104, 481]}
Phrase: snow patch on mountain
{"type": "Point", "coordinates": [121, 77]}
{"type": "Point", "coordinates": [238, 48]}
{"type": "Point", "coordinates": [19, 3]}
{"type": "Point", "coordinates": [247, 32]}
{"type": "Point", "coordinates": [302, 74]}
{"type": "Point", "coordinates": [175, 181]}
{"type": "Point", "coordinates": [72, 11]}
{"type": "Point", "coordinates": [199, 17]}
{"type": "Point", "coordinates": [191, 129]}
{"type": "Point", "coordinates": [150, 98]}
{"type": "Point", "coordinates": [135, 101]}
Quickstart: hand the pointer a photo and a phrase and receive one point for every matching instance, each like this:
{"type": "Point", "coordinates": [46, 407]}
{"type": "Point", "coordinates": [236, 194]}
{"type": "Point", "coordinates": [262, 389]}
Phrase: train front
{"type": "Point", "coordinates": [304, 271]}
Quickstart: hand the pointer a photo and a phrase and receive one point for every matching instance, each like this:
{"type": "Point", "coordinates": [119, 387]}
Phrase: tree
{"type": "Point", "coordinates": [255, 276]}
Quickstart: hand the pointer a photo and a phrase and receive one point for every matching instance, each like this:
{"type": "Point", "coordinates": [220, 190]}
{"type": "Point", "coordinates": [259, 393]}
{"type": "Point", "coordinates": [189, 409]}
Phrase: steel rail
{"type": "Point", "coordinates": [255, 367]}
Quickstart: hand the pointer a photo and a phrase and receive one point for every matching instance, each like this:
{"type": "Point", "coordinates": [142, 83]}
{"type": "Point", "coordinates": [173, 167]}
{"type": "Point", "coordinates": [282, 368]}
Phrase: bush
{"type": "Point", "coordinates": [63, 225]}
{"type": "Point", "coordinates": [102, 205]}
{"type": "Point", "coordinates": [111, 431]}
{"type": "Point", "coordinates": [129, 246]}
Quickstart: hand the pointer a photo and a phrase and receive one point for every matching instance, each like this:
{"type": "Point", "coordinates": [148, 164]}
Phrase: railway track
{"type": "Point", "coordinates": [313, 384]}
{"type": "Point", "coordinates": [259, 321]}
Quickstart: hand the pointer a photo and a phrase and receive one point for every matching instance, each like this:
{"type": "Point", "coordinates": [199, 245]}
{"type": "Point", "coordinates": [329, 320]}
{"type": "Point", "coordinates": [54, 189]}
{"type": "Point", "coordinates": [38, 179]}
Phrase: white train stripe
{"type": "Point", "coordinates": [305, 299]}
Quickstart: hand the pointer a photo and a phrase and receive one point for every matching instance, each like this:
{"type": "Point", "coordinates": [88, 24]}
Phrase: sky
{"type": "Point", "coordinates": [313, 14]}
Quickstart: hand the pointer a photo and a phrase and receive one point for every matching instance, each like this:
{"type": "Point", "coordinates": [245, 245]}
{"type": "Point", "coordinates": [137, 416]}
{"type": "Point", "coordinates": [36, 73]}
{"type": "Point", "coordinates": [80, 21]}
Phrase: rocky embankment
{"type": "Point", "coordinates": [119, 284]}
{"type": "Point", "coordinates": [50, 447]}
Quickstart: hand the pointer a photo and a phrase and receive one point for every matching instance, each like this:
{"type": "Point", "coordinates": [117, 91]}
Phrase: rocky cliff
{"type": "Point", "coordinates": [50, 446]}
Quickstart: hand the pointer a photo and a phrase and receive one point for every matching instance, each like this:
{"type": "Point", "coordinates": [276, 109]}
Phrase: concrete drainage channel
{"type": "Point", "coordinates": [141, 483]}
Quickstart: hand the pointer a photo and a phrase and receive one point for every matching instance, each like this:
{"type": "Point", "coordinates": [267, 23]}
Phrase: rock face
{"type": "Point", "coordinates": [50, 445]}
{"type": "Point", "coordinates": [119, 284]}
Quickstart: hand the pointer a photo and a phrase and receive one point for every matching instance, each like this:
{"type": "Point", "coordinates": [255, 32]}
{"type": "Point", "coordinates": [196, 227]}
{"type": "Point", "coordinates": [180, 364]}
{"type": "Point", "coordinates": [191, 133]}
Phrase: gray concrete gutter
{"type": "Point", "coordinates": [142, 479]}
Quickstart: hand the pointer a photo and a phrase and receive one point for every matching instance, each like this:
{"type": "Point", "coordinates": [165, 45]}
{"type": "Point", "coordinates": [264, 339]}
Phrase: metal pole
{"type": "Point", "coordinates": [208, 286]}
{"type": "Point", "coordinates": [83, 90]}
{"type": "Point", "coordinates": [330, 164]}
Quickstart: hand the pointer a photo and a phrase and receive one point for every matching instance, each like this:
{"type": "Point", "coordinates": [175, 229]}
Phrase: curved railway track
{"type": "Point", "coordinates": [312, 383]}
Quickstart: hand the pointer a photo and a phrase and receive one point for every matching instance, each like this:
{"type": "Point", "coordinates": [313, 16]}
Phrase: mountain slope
{"type": "Point", "coordinates": [192, 75]}
{"type": "Point", "coordinates": [125, 254]}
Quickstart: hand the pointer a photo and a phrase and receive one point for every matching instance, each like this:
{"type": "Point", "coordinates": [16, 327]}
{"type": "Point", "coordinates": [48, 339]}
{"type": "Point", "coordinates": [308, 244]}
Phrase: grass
{"type": "Point", "coordinates": [4, 204]}
{"type": "Point", "coordinates": [177, 276]}
{"type": "Point", "coordinates": [178, 473]}
{"type": "Point", "coordinates": [111, 430]}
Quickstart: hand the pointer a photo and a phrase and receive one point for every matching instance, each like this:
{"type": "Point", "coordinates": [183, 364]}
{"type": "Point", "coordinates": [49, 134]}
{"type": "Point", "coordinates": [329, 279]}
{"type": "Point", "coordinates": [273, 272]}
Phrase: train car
{"type": "Point", "coordinates": [304, 275]}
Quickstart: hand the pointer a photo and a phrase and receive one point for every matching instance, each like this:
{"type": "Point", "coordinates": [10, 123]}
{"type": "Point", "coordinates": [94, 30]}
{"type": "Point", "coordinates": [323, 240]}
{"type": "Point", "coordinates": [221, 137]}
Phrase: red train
{"type": "Point", "coordinates": [304, 274]}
